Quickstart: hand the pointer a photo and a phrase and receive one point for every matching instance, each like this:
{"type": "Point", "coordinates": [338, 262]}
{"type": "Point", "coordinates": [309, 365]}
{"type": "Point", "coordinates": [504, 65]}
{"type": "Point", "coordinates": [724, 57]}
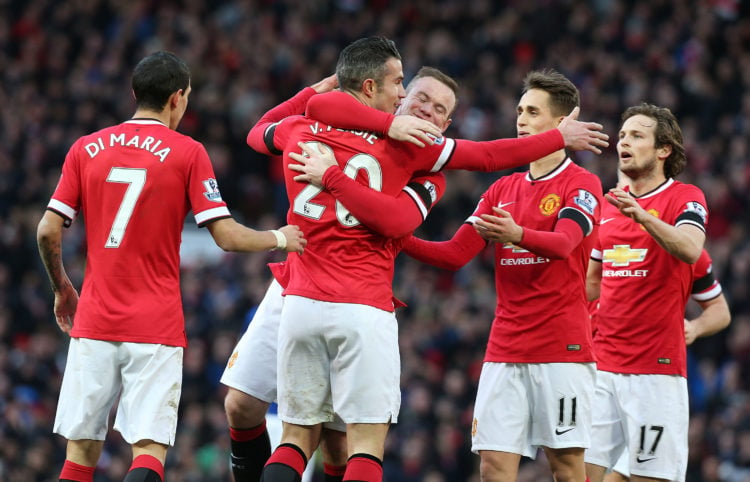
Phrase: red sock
{"type": "Point", "coordinates": [289, 455]}
{"type": "Point", "coordinates": [77, 473]}
{"type": "Point", "coordinates": [364, 468]}
{"type": "Point", "coordinates": [243, 435]}
{"type": "Point", "coordinates": [333, 472]}
{"type": "Point", "coordinates": [148, 462]}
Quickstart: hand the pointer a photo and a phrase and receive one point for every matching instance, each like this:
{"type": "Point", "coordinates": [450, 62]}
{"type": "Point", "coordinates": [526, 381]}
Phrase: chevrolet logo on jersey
{"type": "Point", "coordinates": [623, 255]}
{"type": "Point", "coordinates": [514, 248]}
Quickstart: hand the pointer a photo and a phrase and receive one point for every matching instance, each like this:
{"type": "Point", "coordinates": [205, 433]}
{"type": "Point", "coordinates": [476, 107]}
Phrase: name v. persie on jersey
{"type": "Point", "coordinates": [149, 143]}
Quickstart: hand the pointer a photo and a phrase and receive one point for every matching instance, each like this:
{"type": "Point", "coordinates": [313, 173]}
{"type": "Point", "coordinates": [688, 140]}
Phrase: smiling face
{"type": "Point", "coordinates": [636, 148]}
{"type": "Point", "coordinates": [535, 114]}
{"type": "Point", "coordinates": [387, 94]}
{"type": "Point", "coordinates": [430, 100]}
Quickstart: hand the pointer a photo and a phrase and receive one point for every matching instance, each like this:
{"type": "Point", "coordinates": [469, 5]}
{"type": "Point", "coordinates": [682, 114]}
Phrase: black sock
{"type": "Point", "coordinates": [287, 463]}
{"type": "Point", "coordinates": [142, 474]}
{"type": "Point", "coordinates": [279, 473]}
{"type": "Point", "coordinates": [249, 456]}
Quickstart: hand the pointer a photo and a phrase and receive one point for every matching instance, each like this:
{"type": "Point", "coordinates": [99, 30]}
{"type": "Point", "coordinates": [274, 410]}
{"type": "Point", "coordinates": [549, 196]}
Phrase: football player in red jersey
{"type": "Point", "coordinates": [134, 183]}
{"type": "Point", "coordinates": [536, 385]}
{"type": "Point", "coordinates": [652, 231]}
{"type": "Point", "coordinates": [714, 317]}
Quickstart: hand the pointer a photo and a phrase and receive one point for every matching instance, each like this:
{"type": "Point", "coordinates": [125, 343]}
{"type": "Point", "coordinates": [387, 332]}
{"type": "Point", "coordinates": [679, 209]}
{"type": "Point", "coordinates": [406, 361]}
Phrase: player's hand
{"type": "Point", "coordinates": [66, 302]}
{"type": "Point", "coordinates": [313, 162]}
{"type": "Point", "coordinates": [413, 129]}
{"type": "Point", "coordinates": [626, 204]}
{"type": "Point", "coordinates": [581, 136]}
{"type": "Point", "coordinates": [295, 239]}
{"type": "Point", "coordinates": [326, 85]}
{"type": "Point", "coordinates": [500, 229]}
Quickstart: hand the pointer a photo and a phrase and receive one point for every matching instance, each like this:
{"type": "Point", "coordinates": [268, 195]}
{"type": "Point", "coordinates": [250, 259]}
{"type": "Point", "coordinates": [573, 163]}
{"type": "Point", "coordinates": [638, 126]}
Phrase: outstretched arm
{"type": "Point", "coordinates": [233, 236]}
{"type": "Point", "coordinates": [451, 255]}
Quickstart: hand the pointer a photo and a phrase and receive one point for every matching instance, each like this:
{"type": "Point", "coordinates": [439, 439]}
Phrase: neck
{"type": "Point", "coordinates": [643, 185]}
{"type": "Point", "coordinates": [162, 116]}
{"type": "Point", "coordinates": [545, 165]}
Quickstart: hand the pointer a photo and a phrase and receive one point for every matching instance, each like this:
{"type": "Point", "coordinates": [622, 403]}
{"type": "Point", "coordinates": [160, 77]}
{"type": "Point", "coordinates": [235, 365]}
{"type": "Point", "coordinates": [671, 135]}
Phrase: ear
{"type": "Point", "coordinates": [663, 152]}
{"type": "Point", "coordinates": [446, 125]}
{"type": "Point", "coordinates": [369, 87]}
{"type": "Point", "coordinates": [174, 99]}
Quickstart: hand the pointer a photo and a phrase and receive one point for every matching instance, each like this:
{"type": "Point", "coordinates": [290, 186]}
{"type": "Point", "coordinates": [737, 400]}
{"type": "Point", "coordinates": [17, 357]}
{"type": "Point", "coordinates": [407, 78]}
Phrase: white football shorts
{"type": "Point", "coordinates": [645, 415]}
{"type": "Point", "coordinates": [337, 358]}
{"type": "Point", "coordinates": [523, 406]}
{"type": "Point", "coordinates": [252, 367]}
{"type": "Point", "coordinates": [146, 376]}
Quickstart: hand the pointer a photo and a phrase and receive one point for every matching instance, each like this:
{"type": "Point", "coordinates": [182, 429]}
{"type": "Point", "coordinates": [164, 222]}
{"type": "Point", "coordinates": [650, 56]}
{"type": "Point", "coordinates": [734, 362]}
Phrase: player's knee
{"type": "Point", "coordinates": [496, 469]}
{"type": "Point", "coordinates": [244, 410]}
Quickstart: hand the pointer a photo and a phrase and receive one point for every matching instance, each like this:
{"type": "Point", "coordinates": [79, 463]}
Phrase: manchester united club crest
{"type": "Point", "coordinates": [549, 204]}
{"type": "Point", "coordinates": [652, 212]}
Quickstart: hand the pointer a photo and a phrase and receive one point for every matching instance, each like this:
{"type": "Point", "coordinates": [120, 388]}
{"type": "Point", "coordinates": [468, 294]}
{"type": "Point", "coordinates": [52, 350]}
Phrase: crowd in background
{"type": "Point", "coordinates": [64, 68]}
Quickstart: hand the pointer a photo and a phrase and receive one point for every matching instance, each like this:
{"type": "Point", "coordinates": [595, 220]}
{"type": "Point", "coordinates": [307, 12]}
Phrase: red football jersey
{"type": "Point", "coordinates": [644, 289]}
{"type": "Point", "coordinates": [134, 183]}
{"type": "Point", "coordinates": [542, 314]}
{"type": "Point", "coordinates": [345, 261]}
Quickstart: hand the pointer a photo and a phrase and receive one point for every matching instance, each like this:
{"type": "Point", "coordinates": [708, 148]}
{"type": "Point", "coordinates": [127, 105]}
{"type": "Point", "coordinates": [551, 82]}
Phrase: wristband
{"type": "Point", "coordinates": [280, 239]}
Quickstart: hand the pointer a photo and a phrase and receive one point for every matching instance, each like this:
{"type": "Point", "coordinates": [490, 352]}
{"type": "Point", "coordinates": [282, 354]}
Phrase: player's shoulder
{"type": "Point", "coordinates": [677, 187]}
{"type": "Point", "coordinates": [581, 174]}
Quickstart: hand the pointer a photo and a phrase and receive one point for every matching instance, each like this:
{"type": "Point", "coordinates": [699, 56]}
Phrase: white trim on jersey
{"type": "Point", "coordinates": [209, 214]}
{"type": "Point", "coordinates": [423, 209]}
{"type": "Point", "coordinates": [692, 223]}
{"type": "Point", "coordinates": [62, 208]}
{"type": "Point", "coordinates": [712, 292]}
{"type": "Point", "coordinates": [445, 154]}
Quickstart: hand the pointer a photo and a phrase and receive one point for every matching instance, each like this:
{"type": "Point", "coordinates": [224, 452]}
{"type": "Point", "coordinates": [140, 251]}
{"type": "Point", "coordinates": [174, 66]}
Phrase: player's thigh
{"type": "Point", "coordinates": [151, 387]}
{"type": "Point", "coordinates": [502, 411]}
{"type": "Point", "coordinates": [89, 388]}
{"type": "Point", "coordinates": [251, 368]}
{"type": "Point", "coordinates": [657, 420]}
{"type": "Point", "coordinates": [561, 395]}
{"type": "Point", "coordinates": [365, 363]}
{"type": "Point", "coordinates": [303, 365]}
{"type": "Point", "coordinates": [608, 439]}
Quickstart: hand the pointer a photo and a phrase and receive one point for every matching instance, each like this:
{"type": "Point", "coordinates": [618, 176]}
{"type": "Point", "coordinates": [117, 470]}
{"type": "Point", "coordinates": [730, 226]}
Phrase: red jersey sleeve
{"type": "Point", "coordinates": [557, 244]}
{"type": "Point", "coordinates": [504, 153]}
{"type": "Point", "coordinates": [343, 110]}
{"type": "Point", "coordinates": [260, 137]}
{"type": "Point", "coordinates": [452, 255]}
{"type": "Point", "coordinates": [390, 216]}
